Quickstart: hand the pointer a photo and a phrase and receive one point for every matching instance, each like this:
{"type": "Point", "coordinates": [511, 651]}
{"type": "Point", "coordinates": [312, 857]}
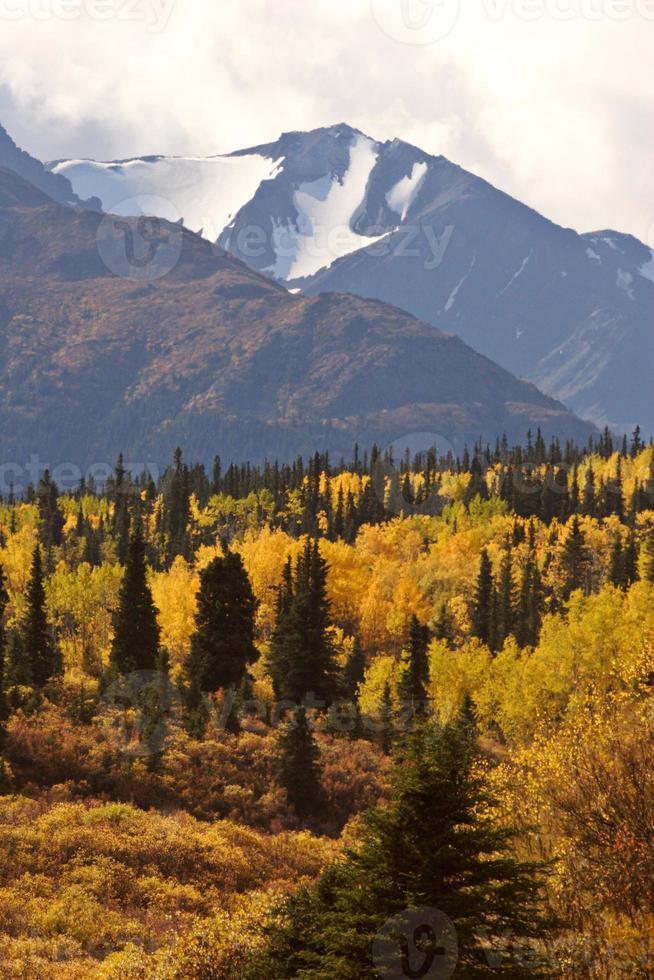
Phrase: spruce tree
{"type": "Point", "coordinates": [575, 560]}
{"type": "Point", "coordinates": [354, 670]}
{"type": "Point", "coordinates": [437, 845]}
{"type": "Point", "coordinates": [484, 601]}
{"type": "Point", "coordinates": [39, 647]}
{"type": "Point", "coordinates": [51, 519]}
{"type": "Point", "coordinates": [414, 681]}
{"type": "Point", "coordinates": [135, 644]}
{"type": "Point", "coordinates": [617, 570]}
{"type": "Point", "coordinates": [505, 599]}
{"type": "Point", "coordinates": [298, 765]}
{"type": "Point", "coordinates": [530, 603]}
{"type": "Point", "coordinates": [386, 726]}
{"type": "Point", "coordinates": [222, 645]}
{"type": "Point", "coordinates": [301, 660]}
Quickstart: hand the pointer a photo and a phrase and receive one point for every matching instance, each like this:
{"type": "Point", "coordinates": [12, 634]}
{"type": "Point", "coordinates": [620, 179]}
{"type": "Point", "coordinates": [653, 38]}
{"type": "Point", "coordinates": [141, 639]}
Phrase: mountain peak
{"type": "Point", "coordinates": [56, 186]}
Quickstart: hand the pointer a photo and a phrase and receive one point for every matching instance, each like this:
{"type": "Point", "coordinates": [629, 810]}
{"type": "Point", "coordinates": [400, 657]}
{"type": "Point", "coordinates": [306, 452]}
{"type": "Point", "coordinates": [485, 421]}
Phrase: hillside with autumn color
{"type": "Point", "coordinates": [170, 783]}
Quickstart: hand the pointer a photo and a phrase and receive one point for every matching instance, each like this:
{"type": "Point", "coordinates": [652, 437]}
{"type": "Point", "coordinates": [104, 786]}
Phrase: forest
{"type": "Point", "coordinates": [258, 721]}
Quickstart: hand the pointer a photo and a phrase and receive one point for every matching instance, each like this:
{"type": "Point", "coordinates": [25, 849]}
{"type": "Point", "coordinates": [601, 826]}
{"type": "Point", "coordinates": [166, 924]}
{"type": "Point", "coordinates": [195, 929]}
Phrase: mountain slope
{"type": "Point", "coordinates": [56, 186]}
{"type": "Point", "coordinates": [216, 357]}
{"type": "Point", "coordinates": [333, 209]}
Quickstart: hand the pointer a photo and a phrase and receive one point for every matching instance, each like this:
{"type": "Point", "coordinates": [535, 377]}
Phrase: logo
{"type": "Point", "coordinates": [420, 944]}
{"type": "Point", "coordinates": [134, 243]}
{"type": "Point", "coordinates": [416, 21]}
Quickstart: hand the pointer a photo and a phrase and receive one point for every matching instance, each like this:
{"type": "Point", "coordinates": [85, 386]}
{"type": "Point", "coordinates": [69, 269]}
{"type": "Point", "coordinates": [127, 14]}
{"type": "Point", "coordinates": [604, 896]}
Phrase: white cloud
{"type": "Point", "coordinates": [557, 110]}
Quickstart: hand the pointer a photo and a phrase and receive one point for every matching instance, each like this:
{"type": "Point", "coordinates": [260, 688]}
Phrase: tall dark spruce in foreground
{"type": "Point", "coordinates": [435, 846]}
{"type": "Point", "coordinates": [136, 631]}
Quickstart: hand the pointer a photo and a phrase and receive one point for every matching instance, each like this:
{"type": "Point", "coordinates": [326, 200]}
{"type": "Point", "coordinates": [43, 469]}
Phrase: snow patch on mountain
{"type": "Point", "coordinates": [204, 192]}
{"type": "Point", "coordinates": [401, 197]}
{"type": "Point", "coordinates": [451, 300]}
{"type": "Point", "coordinates": [624, 281]}
{"type": "Point", "coordinates": [326, 208]}
{"type": "Point", "coordinates": [516, 275]}
{"type": "Point", "coordinates": [647, 270]}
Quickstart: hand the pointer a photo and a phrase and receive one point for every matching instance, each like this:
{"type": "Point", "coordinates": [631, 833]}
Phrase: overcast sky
{"type": "Point", "coordinates": [551, 100]}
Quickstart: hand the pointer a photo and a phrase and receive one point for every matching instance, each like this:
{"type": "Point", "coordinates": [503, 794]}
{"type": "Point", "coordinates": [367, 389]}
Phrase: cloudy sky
{"type": "Point", "coordinates": [551, 100]}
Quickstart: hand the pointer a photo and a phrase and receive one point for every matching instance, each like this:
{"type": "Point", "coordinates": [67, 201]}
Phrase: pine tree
{"type": "Point", "coordinates": [631, 559]}
{"type": "Point", "coordinates": [301, 660]}
{"type": "Point", "coordinates": [298, 765]}
{"type": "Point", "coordinates": [17, 669]}
{"type": "Point", "coordinates": [386, 725]}
{"type": "Point", "coordinates": [414, 682]}
{"type": "Point", "coordinates": [444, 626]}
{"type": "Point", "coordinates": [575, 560]}
{"type": "Point", "coordinates": [484, 601]}
{"type": "Point", "coordinates": [505, 599]}
{"type": "Point", "coordinates": [617, 571]}
{"type": "Point", "coordinates": [436, 845]}
{"type": "Point", "coordinates": [51, 519]}
{"type": "Point", "coordinates": [39, 647]}
{"type": "Point", "coordinates": [530, 603]}
{"type": "Point", "coordinates": [222, 645]}
{"type": "Point", "coordinates": [135, 644]}
{"type": "Point", "coordinates": [354, 670]}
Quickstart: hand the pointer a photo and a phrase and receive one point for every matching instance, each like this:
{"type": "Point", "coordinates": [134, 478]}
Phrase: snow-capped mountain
{"type": "Point", "coordinates": [334, 210]}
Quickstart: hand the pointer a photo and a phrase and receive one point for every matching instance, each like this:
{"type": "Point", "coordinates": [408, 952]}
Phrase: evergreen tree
{"type": "Point", "coordinates": [617, 570]}
{"type": "Point", "coordinates": [39, 647]}
{"type": "Point", "coordinates": [484, 601]}
{"type": "Point", "coordinates": [631, 559]}
{"type": "Point", "coordinates": [51, 519]}
{"type": "Point", "coordinates": [17, 671]}
{"type": "Point", "coordinates": [222, 646]}
{"type": "Point", "coordinates": [386, 726]}
{"type": "Point", "coordinates": [575, 560]}
{"type": "Point", "coordinates": [530, 603]}
{"type": "Point", "coordinates": [298, 765]}
{"type": "Point", "coordinates": [505, 599]}
{"type": "Point", "coordinates": [302, 660]}
{"type": "Point", "coordinates": [135, 644]}
{"type": "Point", "coordinates": [444, 626]}
{"type": "Point", "coordinates": [414, 682]}
{"type": "Point", "coordinates": [354, 670]}
{"type": "Point", "coordinates": [436, 845]}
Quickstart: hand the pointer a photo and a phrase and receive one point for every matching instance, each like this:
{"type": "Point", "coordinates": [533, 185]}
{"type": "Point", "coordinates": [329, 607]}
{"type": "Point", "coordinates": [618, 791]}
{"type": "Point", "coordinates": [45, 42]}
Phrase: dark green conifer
{"type": "Point", "coordinates": [135, 644]}
{"type": "Point", "coordinates": [575, 560]}
{"type": "Point", "coordinates": [40, 649]}
{"type": "Point", "coordinates": [301, 660]}
{"type": "Point", "coordinates": [414, 681]}
{"type": "Point", "coordinates": [438, 845]}
{"type": "Point", "coordinates": [298, 766]}
{"type": "Point", "coordinates": [354, 670]}
{"type": "Point", "coordinates": [484, 601]}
